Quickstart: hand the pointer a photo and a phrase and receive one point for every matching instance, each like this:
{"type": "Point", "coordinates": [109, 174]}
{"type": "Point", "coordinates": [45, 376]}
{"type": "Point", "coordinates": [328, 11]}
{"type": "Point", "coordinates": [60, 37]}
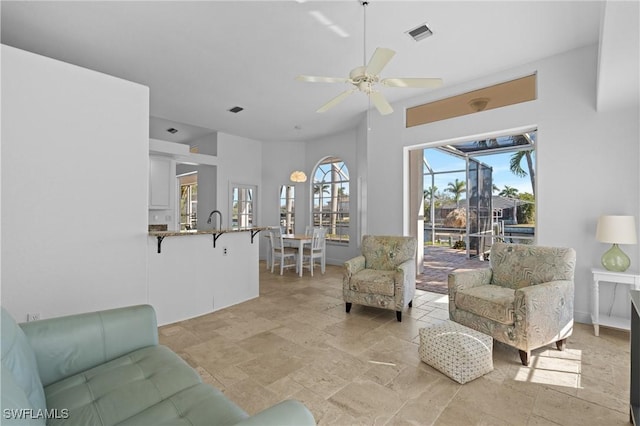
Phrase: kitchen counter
{"type": "Point", "coordinates": [205, 231]}
{"type": "Point", "coordinates": [193, 277]}
{"type": "Point", "coordinates": [160, 235]}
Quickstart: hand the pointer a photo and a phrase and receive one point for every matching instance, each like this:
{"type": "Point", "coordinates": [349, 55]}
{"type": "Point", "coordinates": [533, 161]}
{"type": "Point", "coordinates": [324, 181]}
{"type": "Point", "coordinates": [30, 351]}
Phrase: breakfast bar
{"type": "Point", "coordinates": [190, 276]}
{"type": "Point", "coordinates": [160, 235]}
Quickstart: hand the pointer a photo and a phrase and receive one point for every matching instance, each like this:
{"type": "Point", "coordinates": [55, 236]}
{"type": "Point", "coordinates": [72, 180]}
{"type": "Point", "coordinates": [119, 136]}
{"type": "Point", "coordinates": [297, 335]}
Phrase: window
{"type": "Point", "coordinates": [287, 212]}
{"type": "Point", "coordinates": [331, 199]}
{"type": "Point", "coordinates": [242, 198]}
{"type": "Point", "coordinates": [188, 201]}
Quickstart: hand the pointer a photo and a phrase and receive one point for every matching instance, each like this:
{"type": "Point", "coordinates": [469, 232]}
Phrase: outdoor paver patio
{"type": "Point", "coordinates": [439, 261]}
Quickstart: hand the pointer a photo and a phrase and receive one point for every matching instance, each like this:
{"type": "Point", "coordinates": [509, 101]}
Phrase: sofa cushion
{"type": "Point", "coordinates": [152, 383]}
{"type": "Point", "coordinates": [373, 281]}
{"type": "Point", "coordinates": [521, 265]}
{"type": "Point", "coordinates": [19, 361]}
{"type": "Point", "coordinates": [488, 301]}
{"type": "Point", "coordinates": [387, 252]}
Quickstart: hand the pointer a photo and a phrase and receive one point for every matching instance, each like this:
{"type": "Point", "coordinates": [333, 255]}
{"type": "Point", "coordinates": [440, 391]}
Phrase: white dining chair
{"type": "Point", "coordinates": [280, 253]}
{"type": "Point", "coordinates": [315, 251]}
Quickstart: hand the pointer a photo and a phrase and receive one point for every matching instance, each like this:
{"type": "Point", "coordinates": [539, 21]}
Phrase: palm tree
{"type": "Point", "coordinates": [430, 195]}
{"type": "Point", "coordinates": [320, 189]}
{"type": "Point", "coordinates": [456, 188]}
{"type": "Point", "coordinates": [516, 159]}
{"type": "Point", "coordinates": [509, 192]}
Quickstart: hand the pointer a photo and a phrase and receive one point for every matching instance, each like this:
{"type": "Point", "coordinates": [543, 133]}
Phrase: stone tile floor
{"type": "Point", "coordinates": [296, 341]}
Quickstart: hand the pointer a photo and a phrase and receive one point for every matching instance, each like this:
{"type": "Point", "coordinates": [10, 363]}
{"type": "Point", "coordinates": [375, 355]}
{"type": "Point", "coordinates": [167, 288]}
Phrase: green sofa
{"type": "Point", "coordinates": [106, 368]}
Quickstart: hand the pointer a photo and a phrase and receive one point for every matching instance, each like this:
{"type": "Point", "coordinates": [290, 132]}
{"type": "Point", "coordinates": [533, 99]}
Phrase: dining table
{"type": "Point", "coordinates": [300, 240]}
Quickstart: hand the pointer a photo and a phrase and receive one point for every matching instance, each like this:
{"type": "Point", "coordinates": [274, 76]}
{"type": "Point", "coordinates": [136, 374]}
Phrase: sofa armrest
{"type": "Point", "coordinates": [460, 280]}
{"type": "Point", "coordinates": [544, 312]}
{"type": "Point", "coordinates": [354, 265]}
{"type": "Point", "coordinates": [405, 277]}
{"type": "Point", "coordinates": [68, 345]}
{"type": "Point", "coordinates": [286, 413]}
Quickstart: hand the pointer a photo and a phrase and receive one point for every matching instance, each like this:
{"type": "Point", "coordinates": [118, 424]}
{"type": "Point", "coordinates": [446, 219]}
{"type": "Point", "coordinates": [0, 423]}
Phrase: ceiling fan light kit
{"type": "Point", "coordinates": [366, 78]}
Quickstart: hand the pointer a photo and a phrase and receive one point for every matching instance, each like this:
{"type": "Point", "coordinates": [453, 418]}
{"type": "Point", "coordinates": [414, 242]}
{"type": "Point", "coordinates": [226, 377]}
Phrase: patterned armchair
{"type": "Point", "coordinates": [525, 299]}
{"type": "Point", "coordinates": [384, 276]}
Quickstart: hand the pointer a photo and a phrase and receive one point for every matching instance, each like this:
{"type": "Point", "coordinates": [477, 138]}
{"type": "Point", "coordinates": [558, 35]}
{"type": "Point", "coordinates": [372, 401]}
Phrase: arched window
{"type": "Point", "coordinates": [331, 199]}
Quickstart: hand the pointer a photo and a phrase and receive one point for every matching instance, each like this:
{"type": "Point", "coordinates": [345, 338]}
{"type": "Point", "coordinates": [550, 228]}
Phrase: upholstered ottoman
{"type": "Point", "coordinates": [459, 352]}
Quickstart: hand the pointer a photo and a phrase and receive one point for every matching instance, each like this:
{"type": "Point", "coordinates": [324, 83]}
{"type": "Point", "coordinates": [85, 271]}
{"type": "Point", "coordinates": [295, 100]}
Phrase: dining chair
{"type": "Point", "coordinates": [315, 251]}
{"type": "Point", "coordinates": [280, 253]}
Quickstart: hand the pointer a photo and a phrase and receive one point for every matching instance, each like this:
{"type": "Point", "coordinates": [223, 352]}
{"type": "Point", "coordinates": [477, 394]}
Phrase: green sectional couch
{"type": "Point", "coordinates": [106, 368]}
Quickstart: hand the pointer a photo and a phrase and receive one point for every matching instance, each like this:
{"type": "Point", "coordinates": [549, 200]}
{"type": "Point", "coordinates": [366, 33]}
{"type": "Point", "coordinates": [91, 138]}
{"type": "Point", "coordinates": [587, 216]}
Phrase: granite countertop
{"type": "Point", "coordinates": [205, 231]}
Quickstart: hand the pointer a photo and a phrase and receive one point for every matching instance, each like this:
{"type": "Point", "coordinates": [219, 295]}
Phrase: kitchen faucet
{"type": "Point", "coordinates": [219, 214]}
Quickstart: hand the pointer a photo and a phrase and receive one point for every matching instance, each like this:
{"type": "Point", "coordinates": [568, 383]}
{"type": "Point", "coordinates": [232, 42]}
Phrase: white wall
{"type": "Point", "coordinates": [343, 145]}
{"type": "Point", "coordinates": [239, 161]}
{"type": "Point", "coordinates": [279, 159]}
{"type": "Point", "coordinates": [190, 277]}
{"type": "Point", "coordinates": [74, 188]}
{"type": "Point", "coordinates": [587, 162]}
{"type": "Point", "coordinates": [207, 196]}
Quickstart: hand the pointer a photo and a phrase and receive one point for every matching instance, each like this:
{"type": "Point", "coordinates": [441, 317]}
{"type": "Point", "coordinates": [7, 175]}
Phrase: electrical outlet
{"type": "Point", "coordinates": [225, 251]}
{"type": "Point", "coordinates": [33, 317]}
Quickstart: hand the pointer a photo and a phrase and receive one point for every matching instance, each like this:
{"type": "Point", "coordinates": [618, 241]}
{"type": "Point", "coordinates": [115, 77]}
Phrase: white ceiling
{"type": "Point", "coordinates": [201, 58]}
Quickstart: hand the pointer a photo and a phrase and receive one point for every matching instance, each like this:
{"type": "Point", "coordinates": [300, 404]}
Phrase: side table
{"type": "Point", "coordinates": [634, 394]}
{"type": "Point", "coordinates": [627, 278]}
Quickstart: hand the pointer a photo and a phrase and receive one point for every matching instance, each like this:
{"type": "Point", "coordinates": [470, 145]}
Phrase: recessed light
{"type": "Point", "coordinates": [235, 109]}
{"type": "Point", "coordinates": [172, 130]}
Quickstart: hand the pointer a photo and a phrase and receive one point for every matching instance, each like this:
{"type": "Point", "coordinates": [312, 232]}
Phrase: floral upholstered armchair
{"type": "Point", "coordinates": [384, 276]}
{"type": "Point", "coordinates": [525, 299]}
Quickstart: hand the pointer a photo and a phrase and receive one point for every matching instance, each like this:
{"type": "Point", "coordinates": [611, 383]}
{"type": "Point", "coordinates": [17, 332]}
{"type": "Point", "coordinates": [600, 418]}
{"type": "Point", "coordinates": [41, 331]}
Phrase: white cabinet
{"type": "Point", "coordinates": [160, 180]}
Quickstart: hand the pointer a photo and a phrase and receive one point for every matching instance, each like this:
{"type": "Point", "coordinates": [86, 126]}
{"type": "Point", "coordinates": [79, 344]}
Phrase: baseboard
{"type": "Point", "coordinates": [582, 317]}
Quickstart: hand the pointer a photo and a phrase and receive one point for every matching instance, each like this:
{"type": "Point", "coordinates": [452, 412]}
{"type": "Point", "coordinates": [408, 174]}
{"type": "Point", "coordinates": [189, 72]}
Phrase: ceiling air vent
{"type": "Point", "coordinates": [236, 109]}
{"type": "Point", "coordinates": [420, 33]}
{"type": "Point", "coordinates": [172, 130]}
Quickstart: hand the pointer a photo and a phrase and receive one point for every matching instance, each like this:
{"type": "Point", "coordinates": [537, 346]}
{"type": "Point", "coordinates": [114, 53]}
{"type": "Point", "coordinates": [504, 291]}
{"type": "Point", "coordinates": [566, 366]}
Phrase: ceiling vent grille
{"type": "Point", "coordinates": [172, 130]}
{"type": "Point", "coordinates": [420, 33]}
{"type": "Point", "coordinates": [236, 109]}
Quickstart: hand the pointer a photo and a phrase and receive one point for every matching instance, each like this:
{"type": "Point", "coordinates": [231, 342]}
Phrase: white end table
{"type": "Point", "coordinates": [628, 278]}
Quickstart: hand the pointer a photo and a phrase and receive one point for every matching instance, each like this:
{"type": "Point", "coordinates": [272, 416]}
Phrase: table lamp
{"type": "Point", "coordinates": [616, 230]}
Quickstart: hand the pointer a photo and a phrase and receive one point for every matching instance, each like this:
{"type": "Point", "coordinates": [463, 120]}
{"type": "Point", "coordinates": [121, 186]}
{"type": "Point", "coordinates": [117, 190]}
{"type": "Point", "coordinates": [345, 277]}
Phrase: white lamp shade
{"type": "Point", "coordinates": [616, 230]}
{"type": "Point", "coordinates": [298, 176]}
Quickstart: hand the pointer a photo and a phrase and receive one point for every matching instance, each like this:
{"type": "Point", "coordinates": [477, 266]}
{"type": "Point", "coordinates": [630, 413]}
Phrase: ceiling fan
{"type": "Point", "coordinates": [365, 79]}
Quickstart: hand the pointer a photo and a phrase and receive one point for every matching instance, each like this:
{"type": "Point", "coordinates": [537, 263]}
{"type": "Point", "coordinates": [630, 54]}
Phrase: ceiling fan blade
{"type": "Point", "coordinates": [381, 103]}
{"type": "Point", "coordinates": [379, 60]}
{"type": "Point", "coordinates": [317, 79]}
{"type": "Point", "coordinates": [335, 101]}
{"type": "Point", "coordinates": [427, 83]}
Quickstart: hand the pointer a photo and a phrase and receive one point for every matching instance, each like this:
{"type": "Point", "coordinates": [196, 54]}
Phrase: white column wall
{"type": "Point", "coordinates": [240, 161]}
{"type": "Point", "coordinates": [75, 148]}
{"type": "Point", "coordinates": [343, 145]}
{"type": "Point", "coordinates": [280, 159]}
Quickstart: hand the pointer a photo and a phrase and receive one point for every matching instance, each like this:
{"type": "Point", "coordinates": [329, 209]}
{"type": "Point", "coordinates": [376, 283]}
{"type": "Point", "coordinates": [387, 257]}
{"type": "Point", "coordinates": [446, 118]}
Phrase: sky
{"type": "Point", "coordinates": [502, 176]}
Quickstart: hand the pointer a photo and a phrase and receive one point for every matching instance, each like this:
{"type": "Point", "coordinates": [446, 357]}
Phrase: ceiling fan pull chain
{"type": "Point", "coordinates": [364, 34]}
